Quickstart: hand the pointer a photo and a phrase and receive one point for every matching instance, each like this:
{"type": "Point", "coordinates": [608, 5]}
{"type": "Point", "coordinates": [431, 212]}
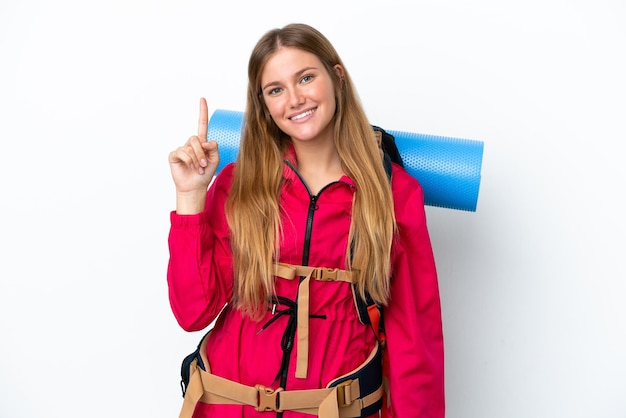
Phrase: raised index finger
{"type": "Point", "coordinates": [203, 120]}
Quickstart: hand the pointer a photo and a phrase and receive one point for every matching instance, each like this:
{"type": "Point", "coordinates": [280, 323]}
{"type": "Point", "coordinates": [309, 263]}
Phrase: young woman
{"type": "Point", "coordinates": [287, 243]}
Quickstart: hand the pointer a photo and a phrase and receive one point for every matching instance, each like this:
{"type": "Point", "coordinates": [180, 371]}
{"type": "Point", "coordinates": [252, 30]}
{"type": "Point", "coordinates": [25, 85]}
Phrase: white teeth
{"type": "Point", "coordinates": [302, 115]}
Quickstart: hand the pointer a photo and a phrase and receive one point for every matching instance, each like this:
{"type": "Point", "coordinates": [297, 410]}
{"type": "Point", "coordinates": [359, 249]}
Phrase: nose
{"type": "Point", "coordinates": [296, 98]}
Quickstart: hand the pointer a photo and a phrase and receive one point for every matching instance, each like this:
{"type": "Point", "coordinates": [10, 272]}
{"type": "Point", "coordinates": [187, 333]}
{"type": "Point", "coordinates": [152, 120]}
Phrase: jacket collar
{"type": "Point", "coordinates": [289, 174]}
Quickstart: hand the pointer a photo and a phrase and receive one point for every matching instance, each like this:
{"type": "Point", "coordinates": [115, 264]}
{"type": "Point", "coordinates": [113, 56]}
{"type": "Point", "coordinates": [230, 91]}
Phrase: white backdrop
{"type": "Point", "coordinates": [93, 96]}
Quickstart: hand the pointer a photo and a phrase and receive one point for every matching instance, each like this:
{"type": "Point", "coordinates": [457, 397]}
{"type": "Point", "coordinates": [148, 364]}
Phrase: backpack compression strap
{"type": "Point", "coordinates": [374, 315]}
{"type": "Point", "coordinates": [289, 272]}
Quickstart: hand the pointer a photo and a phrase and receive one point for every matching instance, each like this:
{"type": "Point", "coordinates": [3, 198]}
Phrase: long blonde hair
{"type": "Point", "coordinates": [253, 210]}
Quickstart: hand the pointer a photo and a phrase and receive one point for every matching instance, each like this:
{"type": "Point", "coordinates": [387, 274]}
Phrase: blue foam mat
{"type": "Point", "coordinates": [449, 169]}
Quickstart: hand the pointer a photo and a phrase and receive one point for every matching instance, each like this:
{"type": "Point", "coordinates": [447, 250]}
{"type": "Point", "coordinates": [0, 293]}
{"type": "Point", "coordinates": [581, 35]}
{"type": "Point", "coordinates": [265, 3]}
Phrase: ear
{"type": "Point", "coordinates": [339, 73]}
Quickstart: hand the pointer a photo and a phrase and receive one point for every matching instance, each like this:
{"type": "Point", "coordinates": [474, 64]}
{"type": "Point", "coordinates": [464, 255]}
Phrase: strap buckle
{"type": "Point", "coordinates": [325, 274]}
{"type": "Point", "coordinates": [344, 393]}
{"type": "Point", "coordinates": [268, 399]}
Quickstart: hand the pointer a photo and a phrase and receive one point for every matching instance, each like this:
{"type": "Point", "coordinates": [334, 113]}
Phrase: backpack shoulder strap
{"type": "Point", "coordinates": [369, 311]}
{"type": "Point", "coordinates": [387, 142]}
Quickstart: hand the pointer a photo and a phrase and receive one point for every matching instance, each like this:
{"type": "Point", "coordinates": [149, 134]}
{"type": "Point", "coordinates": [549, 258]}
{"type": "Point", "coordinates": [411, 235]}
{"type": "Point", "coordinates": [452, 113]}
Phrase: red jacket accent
{"type": "Point", "coordinates": [200, 279]}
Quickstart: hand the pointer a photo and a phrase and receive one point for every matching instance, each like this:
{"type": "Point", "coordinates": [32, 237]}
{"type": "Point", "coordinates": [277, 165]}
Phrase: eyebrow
{"type": "Point", "coordinates": [295, 75]}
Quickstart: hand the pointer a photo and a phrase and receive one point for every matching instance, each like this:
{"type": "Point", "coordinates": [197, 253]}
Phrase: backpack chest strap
{"type": "Point", "coordinates": [290, 271]}
{"type": "Point", "coordinates": [306, 273]}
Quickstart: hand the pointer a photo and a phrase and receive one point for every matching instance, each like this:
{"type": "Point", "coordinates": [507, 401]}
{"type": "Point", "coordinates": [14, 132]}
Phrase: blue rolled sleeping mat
{"type": "Point", "coordinates": [447, 168]}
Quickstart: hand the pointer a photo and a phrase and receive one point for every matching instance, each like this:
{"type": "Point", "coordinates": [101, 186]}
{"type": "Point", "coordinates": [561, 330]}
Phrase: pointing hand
{"type": "Point", "coordinates": [193, 165]}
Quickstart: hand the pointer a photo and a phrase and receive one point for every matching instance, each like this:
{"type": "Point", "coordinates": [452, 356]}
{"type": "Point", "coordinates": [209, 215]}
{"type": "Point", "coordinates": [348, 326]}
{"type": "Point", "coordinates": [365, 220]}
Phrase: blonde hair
{"type": "Point", "coordinates": [253, 210]}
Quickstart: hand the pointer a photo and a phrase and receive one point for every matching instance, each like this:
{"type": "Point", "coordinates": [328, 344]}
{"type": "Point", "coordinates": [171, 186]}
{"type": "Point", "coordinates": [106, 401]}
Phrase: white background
{"type": "Point", "coordinates": [93, 96]}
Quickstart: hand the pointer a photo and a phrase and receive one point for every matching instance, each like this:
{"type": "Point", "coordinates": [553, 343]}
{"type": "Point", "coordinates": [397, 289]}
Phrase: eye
{"type": "Point", "coordinates": [273, 91]}
{"type": "Point", "coordinates": [306, 79]}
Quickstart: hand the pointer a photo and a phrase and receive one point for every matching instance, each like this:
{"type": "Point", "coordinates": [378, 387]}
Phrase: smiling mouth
{"type": "Point", "coordinates": [302, 115]}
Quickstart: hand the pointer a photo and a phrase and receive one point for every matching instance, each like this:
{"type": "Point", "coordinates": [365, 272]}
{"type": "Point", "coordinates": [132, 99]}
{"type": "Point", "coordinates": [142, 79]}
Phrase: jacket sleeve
{"type": "Point", "coordinates": [413, 316]}
{"type": "Point", "coordinates": [199, 273]}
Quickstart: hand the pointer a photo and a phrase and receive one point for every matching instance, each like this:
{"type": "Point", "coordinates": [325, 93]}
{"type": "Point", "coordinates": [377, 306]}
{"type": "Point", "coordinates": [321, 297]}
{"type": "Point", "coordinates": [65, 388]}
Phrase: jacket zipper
{"type": "Point", "coordinates": [305, 257]}
{"type": "Point", "coordinates": [309, 229]}
{"type": "Point", "coordinates": [312, 208]}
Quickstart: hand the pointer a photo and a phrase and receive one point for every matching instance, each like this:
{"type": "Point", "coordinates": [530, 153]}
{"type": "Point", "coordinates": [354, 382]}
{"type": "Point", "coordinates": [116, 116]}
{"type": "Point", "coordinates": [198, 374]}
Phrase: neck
{"type": "Point", "coordinates": [318, 163]}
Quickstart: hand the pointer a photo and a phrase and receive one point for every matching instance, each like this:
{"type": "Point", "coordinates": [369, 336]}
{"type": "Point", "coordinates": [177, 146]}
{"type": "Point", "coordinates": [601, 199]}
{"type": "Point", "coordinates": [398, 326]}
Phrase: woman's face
{"type": "Point", "coordinates": [299, 94]}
